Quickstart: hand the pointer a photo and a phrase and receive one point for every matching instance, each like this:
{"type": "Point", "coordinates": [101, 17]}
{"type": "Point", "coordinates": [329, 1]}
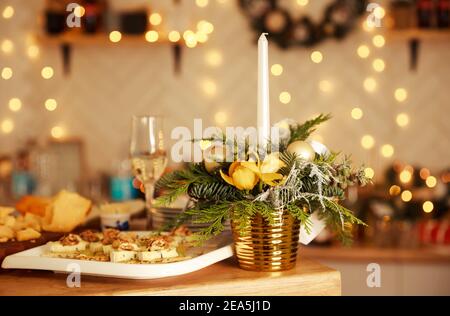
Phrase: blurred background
{"type": "Point", "coordinates": [67, 95]}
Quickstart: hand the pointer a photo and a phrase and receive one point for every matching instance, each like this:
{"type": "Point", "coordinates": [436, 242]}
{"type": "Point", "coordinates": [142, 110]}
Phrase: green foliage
{"type": "Point", "coordinates": [303, 131]}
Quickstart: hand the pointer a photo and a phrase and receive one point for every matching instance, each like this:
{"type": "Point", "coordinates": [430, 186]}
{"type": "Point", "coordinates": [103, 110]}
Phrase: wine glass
{"type": "Point", "coordinates": [148, 154]}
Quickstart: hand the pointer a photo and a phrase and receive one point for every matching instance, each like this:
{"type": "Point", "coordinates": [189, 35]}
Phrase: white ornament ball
{"type": "Point", "coordinates": [302, 149]}
{"type": "Point", "coordinates": [213, 156]}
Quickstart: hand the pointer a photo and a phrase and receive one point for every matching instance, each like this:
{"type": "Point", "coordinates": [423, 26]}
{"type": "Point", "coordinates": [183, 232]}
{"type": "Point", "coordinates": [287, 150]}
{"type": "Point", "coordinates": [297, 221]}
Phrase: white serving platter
{"type": "Point", "coordinates": [35, 259]}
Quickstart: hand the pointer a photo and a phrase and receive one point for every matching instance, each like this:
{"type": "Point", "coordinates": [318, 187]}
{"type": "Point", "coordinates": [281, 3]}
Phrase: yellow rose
{"type": "Point", "coordinates": [245, 175]}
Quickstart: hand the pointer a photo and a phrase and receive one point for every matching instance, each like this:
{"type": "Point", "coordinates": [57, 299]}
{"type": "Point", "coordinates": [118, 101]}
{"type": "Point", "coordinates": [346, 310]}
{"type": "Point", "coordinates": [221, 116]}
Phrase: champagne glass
{"type": "Point", "coordinates": [148, 154]}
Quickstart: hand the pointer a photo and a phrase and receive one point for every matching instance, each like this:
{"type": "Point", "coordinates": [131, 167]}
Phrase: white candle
{"type": "Point", "coordinates": [263, 89]}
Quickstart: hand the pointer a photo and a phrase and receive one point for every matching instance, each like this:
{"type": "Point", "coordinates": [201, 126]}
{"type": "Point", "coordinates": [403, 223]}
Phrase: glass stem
{"type": "Point", "coordinates": [149, 190]}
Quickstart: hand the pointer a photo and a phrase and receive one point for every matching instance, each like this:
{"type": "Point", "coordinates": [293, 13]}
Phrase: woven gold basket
{"type": "Point", "coordinates": [264, 247]}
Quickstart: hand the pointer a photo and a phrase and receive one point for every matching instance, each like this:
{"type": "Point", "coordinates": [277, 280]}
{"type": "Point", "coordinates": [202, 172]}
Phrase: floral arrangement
{"type": "Point", "coordinates": [298, 178]}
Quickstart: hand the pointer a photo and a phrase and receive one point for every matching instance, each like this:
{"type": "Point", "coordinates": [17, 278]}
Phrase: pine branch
{"type": "Point", "coordinates": [303, 131]}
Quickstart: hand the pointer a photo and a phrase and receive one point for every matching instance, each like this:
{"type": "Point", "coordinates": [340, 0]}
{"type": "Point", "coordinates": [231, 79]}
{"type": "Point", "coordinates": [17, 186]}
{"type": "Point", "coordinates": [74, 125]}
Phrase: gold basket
{"type": "Point", "coordinates": [260, 246]}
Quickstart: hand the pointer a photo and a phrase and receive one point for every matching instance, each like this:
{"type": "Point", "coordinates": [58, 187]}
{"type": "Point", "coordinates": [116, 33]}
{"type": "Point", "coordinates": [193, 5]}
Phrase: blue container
{"type": "Point", "coordinates": [121, 189]}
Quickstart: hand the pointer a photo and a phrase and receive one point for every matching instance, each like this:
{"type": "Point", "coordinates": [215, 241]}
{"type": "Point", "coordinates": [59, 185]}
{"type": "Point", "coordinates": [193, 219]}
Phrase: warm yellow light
{"type": "Point", "coordinates": [302, 3]}
{"type": "Point", "coordinates": [428, 206]}
{"type": "Point", "coordinates": [205, 144]}
{"type": "Point", "coordinates": [201, 37]}
{"type": "Point", "coordinates": [424, 173]}
{"type": "Point", "coordinates": [190, 39]}
{"type": "Point", "coordinates": [7, 126]}
{"type": "Point", "coordinates": [318, 138]}
{"type": "Point", "coordinates": [369, 172]}
{"type": "Point", "coordinates": [285, 97]}
{"type": "Point", "coordinates": [151, 36]}
{"type": "Point", "coordinates": [7, 46]}
{"type": "Point", "coordinates": [367, 141]}
{"type": "Point", "coordinates": [209, 87]}
{"type": "Point", "coordinates": [57, 132]}
{"type": "Point", "coordinates": [394, 190]}
{"type": "Point", "coordinates": [379, 12]}
{"type": "Point", "coordinates": [7, 73]}
{"type": "Point", "coordinates": [51, 105]}
{"type": "Point", "coordinates": [325, 86]}
{"type": "Point", "coordinates": [368, 26]}
{"type": "Point", "coordinates": [79, 11]}
{"type": "Point", "coordinates": [47, 72]}
{"type": "Point", "coordinates": [387, 150]}
{"type": "Point", "coordinates": [378, 40]}
{"type": "Point", "coordinates": [15, 104]}
{"type": "Point", "coordinates": [370, 84]}
{"type": "Point", "coordinates": [115, 36]}
{"type": "Point", "coordinates": [214, 58]}
{"type": "Point", "coordinates": [221, 118]}
{"type": "Point", "coordinates": [357, 113]}
{"type": "Point", "coordinates": [174, 36]}
{"type": "Point", "coordinates": [400, 94]}
{"type": "Point", "coordinates": [205, 27]}
{"type": "Point", "coordinates": [201, 3]}
{"type": "Point", "coordinates": [316, 57]}
{"type": "Point", "coordinates": [405, 176]}
{"type": "Point", "coordinates": [431, 182]}
{"type": "Point", "coordinates": [33, 51]}
{"type": "Point", "coordinates": [276, 69]}
{"type": "Point", "coordinates": [155, 18]}
{"type": "Point", "coordinates": [406, 196]}
{"type": "Point", "coordinates": [8, 12]}
{"type": "Point", "coordinates": [402, 119]}
{"type": "Point", "coordinates": [363, 51]}
{"type": "Point", "coordinates": [378, 65]}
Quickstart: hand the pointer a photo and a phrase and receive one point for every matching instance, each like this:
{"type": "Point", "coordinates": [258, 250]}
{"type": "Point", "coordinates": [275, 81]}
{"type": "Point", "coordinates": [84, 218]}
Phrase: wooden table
{"type": "Point", "coordinates": [224, 278]}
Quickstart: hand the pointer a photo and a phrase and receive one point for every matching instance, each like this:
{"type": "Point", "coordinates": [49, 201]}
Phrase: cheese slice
{"type": "Point", "coordinates": [121, 255]}
{"type": "Point", "coordinates": [149, 255]}
{"type": "Point", "coordinates": [169, 253]}
{"type": "Point", "coordinates": [56, 246]}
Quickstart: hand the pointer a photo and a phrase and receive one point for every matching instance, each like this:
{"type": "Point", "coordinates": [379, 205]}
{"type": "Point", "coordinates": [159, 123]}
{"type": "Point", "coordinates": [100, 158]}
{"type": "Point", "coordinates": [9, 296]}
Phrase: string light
{"type": "Point", "coordinates": [405, 176]}
{"type": "Point", "coordinates": [51, 105]}
{"type": "Point", "coordinates": [209, 87]}
{"type": "Point", "coordinates": [387, 150]}
{"type": "Point", "coordinates": [15, 104]}
{"type": "Point", "coordinates": [406, 196]}
{"type": "Point", "coordinates": [33, 51]}
{"type": "Point", "coordinates": [205, 27]}
{"type": "Point", "coordinates": [8, 12]}
{"type": "Point", "coordinates": [285, 97]}
{"type": "Point", "coordinates": [325, 86]}
{"type": "Point", "coordinates": [370, 84]}
{"type": "Point", "coordinates": [302, 3]}
{"type": "Point", "coordinates": [431, 182]}
{"type": "Point", "coordinates": [155, 18]}
{"type": "Point", "coordinates": [201, 3]}
{"type": "Point", "coordinates": [357, 113]}
{"type": "Point", "coordinates": [424, 173]}
{"type": "Point", "coordinates": [378, 41]}
{"type": "Point", "coordinates": [115, 36]}
{"type": "Point", "coordinates": [379, 12]}
{"type": "Point", "coordinates": [394, 190]}
{"type": "Point", "coordinates": [7, 126]}
{"type": "Point", "coordinates": [276, 69]}
{"type": "Point", "coordinates": [316, 57]}
{"type": "Point", "coordinates": [47, 72]}
{"type": "Point", "coordinates": [79, 11]}
{"type": "Point", "coordinates": [221, 118]}
{"type": "Point", "coordinates": [363, 51]}
{"type": "Point", "coordinates": [427, 206]}
{"type": "Point", "coordinates": [7, 73]}
{"type": "Point", "coordinates": [368, 26]}
{"type": "Point", "coordinates": [402, 119]}
{"type": "Point", "coordinates": [7, 46]}
{"type": "Point", "coordinates": [151, 36]}
{"type": "Point", "coordinates": [214, 58]}
{"type": "Point", "coordinates": [190, 39]}
{"type": "Point", "coordinates": [369, 172]}
{"type": "Point", "coordinates": [400, 94]}
{"type": "Point", "coordinates": [57, 132]}
{"type": "Point", "coordinates": [201, 37]}
{"type": "Point", "coordinates": [378, 65]}
{"type": "Point", "coordinates": [367, 141]}
{"type": "Point", "coordinates": [174, 36]}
